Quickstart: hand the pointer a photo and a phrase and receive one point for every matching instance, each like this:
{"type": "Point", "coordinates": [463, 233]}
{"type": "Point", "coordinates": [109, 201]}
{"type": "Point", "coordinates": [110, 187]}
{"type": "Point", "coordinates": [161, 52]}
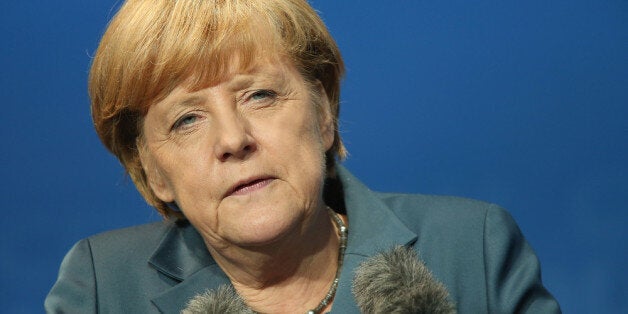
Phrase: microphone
{"type": "Point", "coordinates": [222, 300]}
{"type": "Point", "coordinates": [397, 281]}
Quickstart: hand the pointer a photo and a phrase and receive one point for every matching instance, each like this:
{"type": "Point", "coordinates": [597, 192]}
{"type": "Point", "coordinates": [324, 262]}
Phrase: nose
{"type": "Point", "coordinates": [234, 139]}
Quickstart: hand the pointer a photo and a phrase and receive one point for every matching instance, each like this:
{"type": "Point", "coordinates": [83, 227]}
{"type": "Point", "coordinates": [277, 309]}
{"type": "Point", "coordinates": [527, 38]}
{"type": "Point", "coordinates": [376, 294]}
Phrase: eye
{"type": "Point", "coordinates": [184, 121]}
{"type": "Point", "coordinates": [262, 94]}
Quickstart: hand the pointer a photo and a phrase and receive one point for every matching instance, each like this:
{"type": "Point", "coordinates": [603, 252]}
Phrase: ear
{"type": "Point", "coordinates": [156, 179]}
{"type": "Point", "coordinates": [326, 117]}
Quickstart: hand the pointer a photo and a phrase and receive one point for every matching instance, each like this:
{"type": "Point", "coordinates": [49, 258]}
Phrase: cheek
{"type": "Point", "coordinates": [298, 147]}
{"type": "Point", "coordinates": [296, 132]}
{"type": "Point", "coordinates": [198, 195]}
{"type": "Point", "coordinates": [188, 171]}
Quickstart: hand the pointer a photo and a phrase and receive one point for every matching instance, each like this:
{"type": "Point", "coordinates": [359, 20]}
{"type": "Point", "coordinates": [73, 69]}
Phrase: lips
{"type": "Point", "coordinates": [250, 185]}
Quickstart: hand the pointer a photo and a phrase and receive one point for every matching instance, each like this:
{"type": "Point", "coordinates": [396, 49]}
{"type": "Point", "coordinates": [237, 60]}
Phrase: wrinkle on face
{"type": "Point", "coordinates": [290, 137]}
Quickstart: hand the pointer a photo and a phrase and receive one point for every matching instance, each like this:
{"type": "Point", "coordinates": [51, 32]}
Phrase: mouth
{"type": "Point", "coordinates": [251, 185]}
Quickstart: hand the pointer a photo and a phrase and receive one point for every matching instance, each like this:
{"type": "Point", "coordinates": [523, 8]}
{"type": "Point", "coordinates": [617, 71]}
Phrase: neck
{"type": "Point", "coordinates": [291, 275]}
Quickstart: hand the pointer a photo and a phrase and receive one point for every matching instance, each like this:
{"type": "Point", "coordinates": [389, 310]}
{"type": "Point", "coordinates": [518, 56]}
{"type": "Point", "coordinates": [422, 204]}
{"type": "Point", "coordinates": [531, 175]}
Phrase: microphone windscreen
{"type": "Point", "coordinates": [222, 300]}
{"type": "Point", "coordinates": [396, 281]}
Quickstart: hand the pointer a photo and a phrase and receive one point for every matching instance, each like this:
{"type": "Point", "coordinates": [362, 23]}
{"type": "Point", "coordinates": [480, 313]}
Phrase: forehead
{"type": "Point", "coordinates": [271, 72]}
{"type": "Point", "coordinates": [198, 64]}
{"type": "Point", "coordinates": [235, 71]}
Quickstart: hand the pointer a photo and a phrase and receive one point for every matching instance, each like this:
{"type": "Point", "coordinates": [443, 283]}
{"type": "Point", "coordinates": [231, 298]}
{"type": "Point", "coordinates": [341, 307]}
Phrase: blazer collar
{"type": "Point", "coordinates": [181, 253]}
{"type": "Point", "coordinates": [183, 257]}
{"type": "Point", "coordinates": [373, 228]}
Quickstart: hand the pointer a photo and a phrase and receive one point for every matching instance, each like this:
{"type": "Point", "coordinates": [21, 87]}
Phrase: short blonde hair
{"type": "Point", "coordinates": [152, 46]}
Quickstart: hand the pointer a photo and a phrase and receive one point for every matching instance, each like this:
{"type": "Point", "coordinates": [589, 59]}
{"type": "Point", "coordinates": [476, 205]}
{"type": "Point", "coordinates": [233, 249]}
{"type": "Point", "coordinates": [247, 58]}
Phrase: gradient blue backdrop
{"type": "Point", "coordinates": [521, 103]}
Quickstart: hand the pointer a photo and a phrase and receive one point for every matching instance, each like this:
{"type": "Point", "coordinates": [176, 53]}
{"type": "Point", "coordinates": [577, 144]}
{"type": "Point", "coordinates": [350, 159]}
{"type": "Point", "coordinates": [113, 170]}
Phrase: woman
{"type": "Point", "coordinates": [224, 114]}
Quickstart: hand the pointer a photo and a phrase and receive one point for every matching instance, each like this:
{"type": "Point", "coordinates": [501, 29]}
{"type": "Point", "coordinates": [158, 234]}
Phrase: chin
{"type": "Point", "coordinates": [264, 229]}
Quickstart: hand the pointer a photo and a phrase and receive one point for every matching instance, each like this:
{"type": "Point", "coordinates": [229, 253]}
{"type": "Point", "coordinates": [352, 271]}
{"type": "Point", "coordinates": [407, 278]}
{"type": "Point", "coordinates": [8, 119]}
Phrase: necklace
{"type": "Point", "coordinates": [342, 246]}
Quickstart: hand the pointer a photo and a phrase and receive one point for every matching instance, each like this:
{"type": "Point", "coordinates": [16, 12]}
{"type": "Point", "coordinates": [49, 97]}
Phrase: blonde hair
{"type": "Point", "coordinates": [152, 46]}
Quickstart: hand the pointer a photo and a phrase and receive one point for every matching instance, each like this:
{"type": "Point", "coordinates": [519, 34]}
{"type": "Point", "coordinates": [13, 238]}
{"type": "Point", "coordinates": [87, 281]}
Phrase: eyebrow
{"type": "Point", "coordinates": [186, 102]}
{"type": "Point", "coordinates": [242, 81]}
{"type": "Point", "coordinates": [175, 106]}
{"type": "Point", "coordinates": [256, 74]}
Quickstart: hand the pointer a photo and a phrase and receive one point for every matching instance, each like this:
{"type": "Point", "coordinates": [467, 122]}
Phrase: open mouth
{"type": "Point", "coordinates": [250, 186]}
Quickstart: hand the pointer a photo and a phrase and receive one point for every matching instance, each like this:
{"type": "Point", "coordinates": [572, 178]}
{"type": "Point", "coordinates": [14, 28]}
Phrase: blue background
{"type": "Point", "coordinates": [520, 103]}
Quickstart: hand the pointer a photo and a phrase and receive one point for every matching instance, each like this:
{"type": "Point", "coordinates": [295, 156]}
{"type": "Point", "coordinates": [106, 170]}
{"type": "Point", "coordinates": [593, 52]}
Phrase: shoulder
{"type": "Point", "coordinates": [121, 248]}
{"type": "Point", "coordinates": [441, 202]}
{"type": "Point", "coordinates": [459, 225]}
{"type": "Point", "coordinates": [110, 266]}
{"type": "Point", "coordinates": [139, 232]}
{"type": "Point", "coordinates": [107, 266]}
{"type": "Point", "coordinates": [464, 223]}
{"type": "Point", "coordinates": [127, 249]}
{"type": "Point", "coordinates": [140, 236]}
{"type": "Point", "coordinates": [451, 213]}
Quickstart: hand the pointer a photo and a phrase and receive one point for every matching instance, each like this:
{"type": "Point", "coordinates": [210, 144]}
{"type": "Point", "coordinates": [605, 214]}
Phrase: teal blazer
{"type": "Point", "coordinates": [475, 249]}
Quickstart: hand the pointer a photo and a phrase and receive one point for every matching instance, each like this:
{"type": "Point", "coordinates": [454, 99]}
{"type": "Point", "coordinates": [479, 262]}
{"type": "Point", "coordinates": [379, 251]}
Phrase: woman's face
{"type": "Point", "coordinates": [244, 158]}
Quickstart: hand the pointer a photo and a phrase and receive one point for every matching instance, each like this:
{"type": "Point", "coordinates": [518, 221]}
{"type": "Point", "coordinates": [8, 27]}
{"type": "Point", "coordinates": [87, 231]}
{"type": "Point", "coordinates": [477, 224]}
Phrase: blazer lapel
{"type": "Point", "coordinates": [177, 298]}
{"type": "Point", "coordinates": [183, 257]}
{"type": "Point", "coordinates": [373, 228]}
